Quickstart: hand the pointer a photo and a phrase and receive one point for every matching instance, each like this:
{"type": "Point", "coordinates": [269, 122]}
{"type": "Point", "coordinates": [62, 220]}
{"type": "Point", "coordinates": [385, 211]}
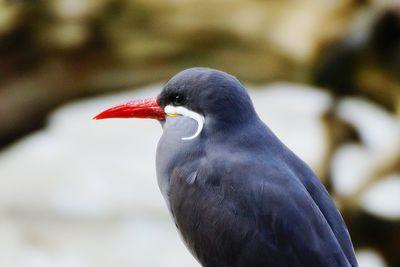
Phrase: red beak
{"type": "Point", "coordinates": [146, 108]}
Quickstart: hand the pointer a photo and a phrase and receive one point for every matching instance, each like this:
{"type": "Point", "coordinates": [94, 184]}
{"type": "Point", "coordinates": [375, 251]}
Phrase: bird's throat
{"type": "Point", "coordinates": [174, 111]}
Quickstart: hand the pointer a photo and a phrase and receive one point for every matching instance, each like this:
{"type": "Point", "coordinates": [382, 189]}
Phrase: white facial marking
{"type": "Point", "coordinates": [172, 110]}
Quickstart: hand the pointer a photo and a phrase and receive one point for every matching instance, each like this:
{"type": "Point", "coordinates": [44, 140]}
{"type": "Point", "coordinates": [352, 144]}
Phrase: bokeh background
{"type": "Point", "coordinates": [324, 75]}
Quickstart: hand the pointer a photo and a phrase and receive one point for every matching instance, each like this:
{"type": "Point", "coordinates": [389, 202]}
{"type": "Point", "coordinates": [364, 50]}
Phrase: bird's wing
{"type": "Point", "coordinates": [301, 219]}
{"type": "Point", "coordinates": [325, 204]}
{"type": "Point", "coordinates": [298, 227]}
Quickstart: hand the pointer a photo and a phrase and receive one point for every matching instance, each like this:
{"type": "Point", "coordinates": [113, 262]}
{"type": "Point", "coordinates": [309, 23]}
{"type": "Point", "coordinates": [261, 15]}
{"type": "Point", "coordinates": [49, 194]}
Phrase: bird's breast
{"type": "Point", "coordinates": [172, 151]}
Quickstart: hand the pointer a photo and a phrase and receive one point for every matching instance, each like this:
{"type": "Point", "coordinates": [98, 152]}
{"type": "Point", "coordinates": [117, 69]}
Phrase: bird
{"type": "Point", "coordinates": [238, 196]}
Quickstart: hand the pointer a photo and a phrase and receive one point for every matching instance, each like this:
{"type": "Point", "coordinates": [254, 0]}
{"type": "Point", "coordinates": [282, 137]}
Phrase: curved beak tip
{"type": "Point", "coordinates": [107, 114]}
{"type": "Point", "coordinates": [97, 117]}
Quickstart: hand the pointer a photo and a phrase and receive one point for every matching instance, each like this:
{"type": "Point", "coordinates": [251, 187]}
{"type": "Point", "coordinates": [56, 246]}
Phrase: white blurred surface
{"type": "Point", "coordinates": [355, 164]}
{"type": "Point", "coordinates": [83, 193]}
{"type": "Point", "coordinates": [383, 198]}
{"type": "Point", "coordinates": [369, 258]}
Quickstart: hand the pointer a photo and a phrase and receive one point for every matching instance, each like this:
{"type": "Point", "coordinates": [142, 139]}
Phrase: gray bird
{"type": "Point", "coordinates": [238, 196]}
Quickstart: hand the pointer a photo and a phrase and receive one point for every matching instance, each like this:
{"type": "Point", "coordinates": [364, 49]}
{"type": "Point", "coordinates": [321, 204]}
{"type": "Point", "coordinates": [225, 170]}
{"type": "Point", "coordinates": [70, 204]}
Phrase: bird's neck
{"type": "Point", "coordinates": [232, 121]}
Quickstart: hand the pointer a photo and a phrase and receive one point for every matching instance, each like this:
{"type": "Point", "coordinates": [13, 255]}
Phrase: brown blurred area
{"type": "Point", "coordinates": [52, 52]}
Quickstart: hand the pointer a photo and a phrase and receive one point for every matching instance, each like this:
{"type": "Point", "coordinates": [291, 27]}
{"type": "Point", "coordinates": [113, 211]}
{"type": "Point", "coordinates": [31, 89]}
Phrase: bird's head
{"type": "Point", "coordinates": [199, 93]}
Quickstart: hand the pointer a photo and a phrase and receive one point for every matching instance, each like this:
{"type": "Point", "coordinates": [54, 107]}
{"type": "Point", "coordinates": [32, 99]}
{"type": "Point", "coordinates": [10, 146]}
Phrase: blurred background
{"type": "Point", "coordinates": [324, 75]}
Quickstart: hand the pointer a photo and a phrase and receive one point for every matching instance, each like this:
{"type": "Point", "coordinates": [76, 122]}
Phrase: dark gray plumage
{"type": "Point", "coordinates": [239, 197]}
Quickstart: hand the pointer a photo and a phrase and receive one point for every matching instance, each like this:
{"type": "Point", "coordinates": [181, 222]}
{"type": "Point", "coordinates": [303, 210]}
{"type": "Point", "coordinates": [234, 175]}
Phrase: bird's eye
{"type": "Point", "coordinates": [177, 100]}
